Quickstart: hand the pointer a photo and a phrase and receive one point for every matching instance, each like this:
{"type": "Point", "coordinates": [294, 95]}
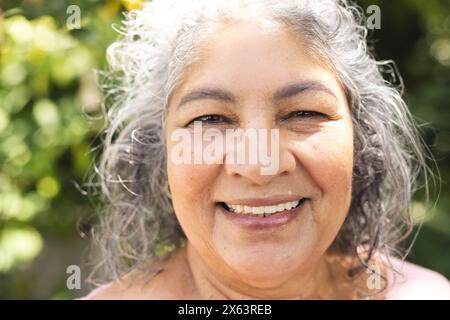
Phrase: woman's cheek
{"type": "Point", "coordinates": [191, 180]}
{"type": "Point", "coordinates": [327, 157]}
{"type": "Point", "coordinates": [187, 177]}
{"type": "Point", "coordinates": [191, 185]}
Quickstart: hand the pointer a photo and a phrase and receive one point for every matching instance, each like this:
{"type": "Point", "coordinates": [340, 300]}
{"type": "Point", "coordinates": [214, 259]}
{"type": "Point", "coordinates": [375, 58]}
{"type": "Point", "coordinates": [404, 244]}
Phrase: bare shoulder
{"type": "Point", "coordinates": [135, 285]}
{"type": "Point", "coordinates": [416, 282]}
{"type": "Point", "coordinates": [155, 280]}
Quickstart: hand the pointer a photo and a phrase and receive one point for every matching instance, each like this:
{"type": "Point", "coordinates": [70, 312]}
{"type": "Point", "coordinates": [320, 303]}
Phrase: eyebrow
{"type": "Point", "coordinates": [283, 93]}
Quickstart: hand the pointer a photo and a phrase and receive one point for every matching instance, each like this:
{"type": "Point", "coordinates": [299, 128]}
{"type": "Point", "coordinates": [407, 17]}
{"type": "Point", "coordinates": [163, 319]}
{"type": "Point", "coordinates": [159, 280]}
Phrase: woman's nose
{"type": "Point", "coordinates": [260, 157]}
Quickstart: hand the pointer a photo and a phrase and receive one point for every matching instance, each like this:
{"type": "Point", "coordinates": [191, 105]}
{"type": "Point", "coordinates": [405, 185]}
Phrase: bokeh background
{"type": "Point", "coordinates": [50, 116]}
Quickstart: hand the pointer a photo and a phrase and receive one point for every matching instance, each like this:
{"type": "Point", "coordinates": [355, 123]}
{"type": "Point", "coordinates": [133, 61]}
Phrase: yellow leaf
{"type": "Point", "coordinates": [132, 4]}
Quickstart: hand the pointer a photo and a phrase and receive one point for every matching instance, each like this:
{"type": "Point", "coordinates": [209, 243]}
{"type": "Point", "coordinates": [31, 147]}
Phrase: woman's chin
{"type": "Point", "coordinates": [264, 272]}
{"type": "Point", "coordinates": [265, 264]}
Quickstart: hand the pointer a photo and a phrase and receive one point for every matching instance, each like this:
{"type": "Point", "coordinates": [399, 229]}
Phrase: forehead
{"type": "Point", "coordinates": [247, 58]}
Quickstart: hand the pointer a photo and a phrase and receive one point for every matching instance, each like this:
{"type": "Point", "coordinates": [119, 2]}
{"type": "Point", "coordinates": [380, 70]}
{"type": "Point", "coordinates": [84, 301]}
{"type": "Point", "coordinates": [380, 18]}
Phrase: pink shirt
{"type": "Point", "coordinates": [416, 283]}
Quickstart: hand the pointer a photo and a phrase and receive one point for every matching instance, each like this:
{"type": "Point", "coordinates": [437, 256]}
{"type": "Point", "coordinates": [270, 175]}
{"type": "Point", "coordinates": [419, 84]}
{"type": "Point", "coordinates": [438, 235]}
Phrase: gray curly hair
{"type": "Point", "coordinates": [159, 41]}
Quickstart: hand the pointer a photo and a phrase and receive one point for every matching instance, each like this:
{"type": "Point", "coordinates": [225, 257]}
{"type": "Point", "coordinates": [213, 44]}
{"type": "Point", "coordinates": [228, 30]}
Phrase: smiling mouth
{"type": "Point", "coordinates": [262, 211]}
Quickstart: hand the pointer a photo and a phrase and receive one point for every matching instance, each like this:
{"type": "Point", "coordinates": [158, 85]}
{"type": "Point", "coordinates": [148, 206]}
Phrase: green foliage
{"type": "Point", "coordinates": [48, 94]}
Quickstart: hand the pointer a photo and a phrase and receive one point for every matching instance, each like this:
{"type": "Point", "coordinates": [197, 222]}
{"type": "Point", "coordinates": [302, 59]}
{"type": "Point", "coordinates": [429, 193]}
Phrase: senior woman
{"type": "Point", "coordinates": [325, 223]}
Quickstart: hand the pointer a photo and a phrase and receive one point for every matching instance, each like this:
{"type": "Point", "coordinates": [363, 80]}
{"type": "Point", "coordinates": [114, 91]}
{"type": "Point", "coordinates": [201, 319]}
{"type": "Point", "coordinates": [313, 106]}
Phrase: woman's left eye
{"type": "Point", "coordinates": [305, 115]}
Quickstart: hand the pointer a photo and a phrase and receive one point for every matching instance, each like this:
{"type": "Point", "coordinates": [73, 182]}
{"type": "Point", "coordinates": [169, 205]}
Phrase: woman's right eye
{"type": "Point", "coordinates": [210, 118]}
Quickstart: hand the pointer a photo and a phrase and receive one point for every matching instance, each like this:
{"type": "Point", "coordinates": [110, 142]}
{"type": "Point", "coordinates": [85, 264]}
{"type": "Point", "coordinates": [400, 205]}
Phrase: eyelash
{"type": "Point", "coordinates": [307, 114]}
{"type": "Point", "coordinates": [222, 119]}
{"type": "Point", "coordinates": [215, 118]}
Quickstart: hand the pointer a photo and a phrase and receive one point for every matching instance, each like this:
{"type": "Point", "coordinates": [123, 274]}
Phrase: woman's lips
{"type": "Point", "coordinates": [262, 221]}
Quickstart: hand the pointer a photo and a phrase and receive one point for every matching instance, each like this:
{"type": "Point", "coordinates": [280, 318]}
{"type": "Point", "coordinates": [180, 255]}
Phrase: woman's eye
{"type": "Point", "coordinates": [210, 118]}
{"type": "Point", "coordinates": [306, 115]}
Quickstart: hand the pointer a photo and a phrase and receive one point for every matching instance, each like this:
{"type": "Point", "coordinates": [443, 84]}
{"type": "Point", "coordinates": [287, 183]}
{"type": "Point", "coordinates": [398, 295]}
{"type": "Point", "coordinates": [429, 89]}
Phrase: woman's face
{"type": "Point", "coordinates": [245, 69]}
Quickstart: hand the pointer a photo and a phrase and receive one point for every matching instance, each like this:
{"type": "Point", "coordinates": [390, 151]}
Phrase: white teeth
{"type": "Point", "coordinates": [270, 209]}
{"type": "Point", "coordinates": [263, 210]}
